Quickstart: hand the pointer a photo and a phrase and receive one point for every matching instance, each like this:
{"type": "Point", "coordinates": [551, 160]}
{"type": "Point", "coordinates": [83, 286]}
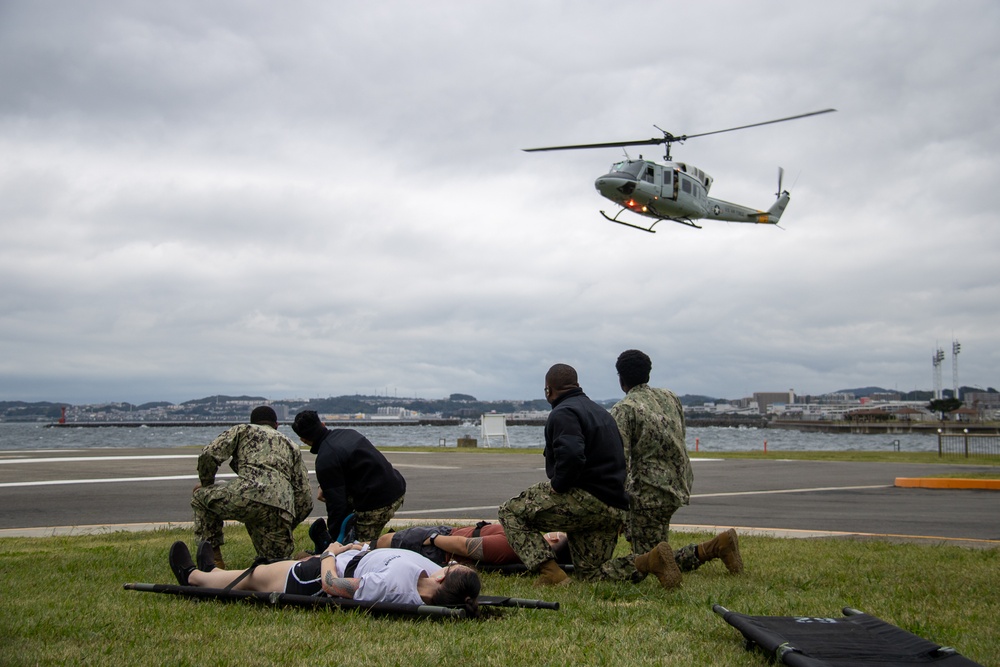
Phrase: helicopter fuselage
{"type": "Point", "coordinates": [675, 191]}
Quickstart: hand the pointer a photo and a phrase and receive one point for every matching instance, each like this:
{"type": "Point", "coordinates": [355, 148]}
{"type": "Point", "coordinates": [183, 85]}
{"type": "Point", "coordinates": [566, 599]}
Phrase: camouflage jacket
{"type": "Point", "coordinates": [268, 466]}
{"type": "Point", "coordinates": [651, 422]}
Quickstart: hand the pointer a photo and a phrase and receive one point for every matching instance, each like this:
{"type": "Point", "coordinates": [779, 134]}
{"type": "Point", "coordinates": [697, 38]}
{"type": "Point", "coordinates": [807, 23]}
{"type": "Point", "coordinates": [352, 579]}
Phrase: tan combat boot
{"type": "Point", "coordinates": [217, 553]}
{"type": "Point", "coordinates": [550, 574]}
{"type": "Point", "coordinates": [660, 562]}
{"type": "Point", "coordinates": [725, 546]}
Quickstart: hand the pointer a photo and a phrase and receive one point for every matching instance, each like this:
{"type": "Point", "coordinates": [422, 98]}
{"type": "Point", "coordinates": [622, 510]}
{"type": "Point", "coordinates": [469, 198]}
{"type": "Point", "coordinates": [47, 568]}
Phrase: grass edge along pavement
{"type": "Point", "coordinates": [74, 609]}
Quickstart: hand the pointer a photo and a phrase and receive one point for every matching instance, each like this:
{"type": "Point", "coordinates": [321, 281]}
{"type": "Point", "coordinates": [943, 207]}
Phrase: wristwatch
{"type": "Point", "coordinates": [325, 554]}
{"type": "Point", "coordinates": [433, 537]}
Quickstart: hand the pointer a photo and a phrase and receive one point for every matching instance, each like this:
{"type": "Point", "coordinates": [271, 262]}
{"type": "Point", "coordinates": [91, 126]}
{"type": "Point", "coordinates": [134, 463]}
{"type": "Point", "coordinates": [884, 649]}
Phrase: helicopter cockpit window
{"type": "Point", "coordinates": [648, 176]}
{"type": "Point", "coordinates": [628, 167]}
{"type": "Point", "coordinates": [686, 185]}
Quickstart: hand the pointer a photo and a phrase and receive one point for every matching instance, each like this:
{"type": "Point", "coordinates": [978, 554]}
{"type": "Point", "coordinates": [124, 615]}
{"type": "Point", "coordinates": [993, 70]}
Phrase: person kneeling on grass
{"type": "Point", "coordinates": [347, 571]}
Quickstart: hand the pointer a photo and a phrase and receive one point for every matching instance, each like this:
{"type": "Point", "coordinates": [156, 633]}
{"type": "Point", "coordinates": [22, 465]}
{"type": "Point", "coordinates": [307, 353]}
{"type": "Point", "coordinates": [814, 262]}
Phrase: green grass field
{"type": "Point", "coordinates": [62, 602]}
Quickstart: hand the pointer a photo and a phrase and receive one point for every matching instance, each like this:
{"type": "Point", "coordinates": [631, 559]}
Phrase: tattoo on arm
{"type": "Point", "coordinates": [474, 547]}
{"type": "Point", "coordinates": [339, 587]}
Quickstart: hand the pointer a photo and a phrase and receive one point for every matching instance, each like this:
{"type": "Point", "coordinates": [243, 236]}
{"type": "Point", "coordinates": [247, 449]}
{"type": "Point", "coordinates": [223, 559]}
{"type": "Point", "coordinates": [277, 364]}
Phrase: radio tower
{"type": "Point", "coordinates": [937, 359]}
{"type": "Point", "coordinates": [955, 349]}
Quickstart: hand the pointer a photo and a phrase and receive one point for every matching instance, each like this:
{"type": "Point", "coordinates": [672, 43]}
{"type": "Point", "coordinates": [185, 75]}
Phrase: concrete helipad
{"type": "Point", "coordinates": [61, 492]}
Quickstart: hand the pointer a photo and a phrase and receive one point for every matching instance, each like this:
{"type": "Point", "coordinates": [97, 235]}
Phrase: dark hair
{"type": "Point", "coordinates": [461, 586]}
{"type": "Point", "coordinates": [633, 367]}
{"type": "Point", "coordinates": [263, 414]}
{"type": "Point", "coordinates": [308, 425]}
{"type": "Point", "coordinates": [561, 377]}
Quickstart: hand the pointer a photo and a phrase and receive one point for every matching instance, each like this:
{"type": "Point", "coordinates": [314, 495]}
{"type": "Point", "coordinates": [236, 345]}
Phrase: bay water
{"type": "Point", "coordinates": [15, 436]}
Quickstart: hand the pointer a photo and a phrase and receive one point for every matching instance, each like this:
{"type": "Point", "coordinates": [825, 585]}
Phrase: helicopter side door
{"type": "Point", "coordinates": [649, 180]}
{"type": "Point", "coordinates": [669, 187]}
{"type": "Point", "coordinates": [692, 195]}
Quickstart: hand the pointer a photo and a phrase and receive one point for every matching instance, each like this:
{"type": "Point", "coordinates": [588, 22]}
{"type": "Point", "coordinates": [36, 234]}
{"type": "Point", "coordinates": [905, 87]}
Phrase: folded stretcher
{"type": "Point", "coordinates": [854, 640]}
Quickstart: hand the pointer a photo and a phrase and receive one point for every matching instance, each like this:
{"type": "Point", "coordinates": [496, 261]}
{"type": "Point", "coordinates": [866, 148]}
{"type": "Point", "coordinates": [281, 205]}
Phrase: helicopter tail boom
{"type": "Point", "coordinates": [729, 212]}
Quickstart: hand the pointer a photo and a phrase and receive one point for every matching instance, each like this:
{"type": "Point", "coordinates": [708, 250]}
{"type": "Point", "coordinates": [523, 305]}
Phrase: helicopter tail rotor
{"type": "Point", "coordinates": [781, 177]}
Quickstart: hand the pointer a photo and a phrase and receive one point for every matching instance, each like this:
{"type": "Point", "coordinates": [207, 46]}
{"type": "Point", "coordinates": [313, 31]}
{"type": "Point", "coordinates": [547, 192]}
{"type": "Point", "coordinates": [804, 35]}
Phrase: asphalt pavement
{"type": "Point", "coordinates": [67, 492]}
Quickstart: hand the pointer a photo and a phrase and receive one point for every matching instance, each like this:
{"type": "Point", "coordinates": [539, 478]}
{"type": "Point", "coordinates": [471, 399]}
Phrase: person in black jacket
{"type": "Point", "coordinates": [353, 476]}
{"type": "Point", "coordinates": [584, 497]}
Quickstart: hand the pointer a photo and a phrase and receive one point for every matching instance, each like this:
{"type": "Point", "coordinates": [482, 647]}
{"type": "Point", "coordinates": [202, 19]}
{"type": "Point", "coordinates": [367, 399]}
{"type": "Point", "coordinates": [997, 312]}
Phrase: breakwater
{"type": "Point", "coordinates": [878, 428]}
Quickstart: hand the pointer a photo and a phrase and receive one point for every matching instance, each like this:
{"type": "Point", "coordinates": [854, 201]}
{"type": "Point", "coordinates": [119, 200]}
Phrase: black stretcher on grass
{"type": "Point", "coordinates": [855, 640]}
{"type": "Point", "coordinates": [318, 601]}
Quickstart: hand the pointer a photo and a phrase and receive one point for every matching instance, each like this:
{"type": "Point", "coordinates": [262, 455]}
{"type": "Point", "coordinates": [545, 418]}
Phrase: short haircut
{"type": "Point", "coordinates": [263, 414]}
{"type": "Point", "coordinates": [307, 425]}
{"type": "Point", "coordinates": [633, 367]}
{"type": "Point", "coordinates": [560, 377]}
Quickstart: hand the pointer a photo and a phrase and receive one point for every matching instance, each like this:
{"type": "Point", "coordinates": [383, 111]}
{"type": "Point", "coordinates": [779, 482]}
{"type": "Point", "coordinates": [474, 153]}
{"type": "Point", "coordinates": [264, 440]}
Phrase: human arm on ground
{"type": "Point", "coordinates": [334, 586]}
{"type": "Point", "coordinates": [467, 547]}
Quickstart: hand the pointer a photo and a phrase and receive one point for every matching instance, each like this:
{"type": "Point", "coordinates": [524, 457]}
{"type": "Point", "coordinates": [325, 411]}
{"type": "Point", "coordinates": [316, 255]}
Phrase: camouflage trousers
{"type": "Point", "coordinates": [647, 527]}
{"type": "Point", "coordinates": [270, 528]}
{"type": "Point", "coordinates": [591, 525]}
{"type": "Point", "coordinates": [370, 523]}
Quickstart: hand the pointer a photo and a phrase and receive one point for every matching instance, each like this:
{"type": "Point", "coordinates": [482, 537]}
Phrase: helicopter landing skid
{"type": "Point", "coordinates": [680, 221]}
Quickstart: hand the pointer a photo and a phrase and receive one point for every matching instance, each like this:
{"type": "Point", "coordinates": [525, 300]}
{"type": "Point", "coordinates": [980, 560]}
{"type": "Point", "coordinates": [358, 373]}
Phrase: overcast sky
{"type": "Point", "coordinates": [306, 199]}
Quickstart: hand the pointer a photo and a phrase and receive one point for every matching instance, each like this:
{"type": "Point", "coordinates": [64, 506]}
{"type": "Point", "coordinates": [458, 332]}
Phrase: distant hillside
{"type": "Point", "coordinates": [863, 392]}
{"type": "Point", "coordinates": [220, 399]}
{"type": "Point", "coordinates": [696, 399]}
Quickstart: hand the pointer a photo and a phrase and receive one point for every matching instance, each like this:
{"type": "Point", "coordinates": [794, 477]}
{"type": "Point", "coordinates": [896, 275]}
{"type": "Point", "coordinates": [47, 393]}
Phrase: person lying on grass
{"type": "Point", "coordinates": [350, 571]}
{"type": "Point", "coordinates": [482, 544]}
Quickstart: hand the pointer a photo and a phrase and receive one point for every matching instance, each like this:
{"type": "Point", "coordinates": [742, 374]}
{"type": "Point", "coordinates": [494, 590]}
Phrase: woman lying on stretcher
{"type": "Point", "coordinates": [348, 571]}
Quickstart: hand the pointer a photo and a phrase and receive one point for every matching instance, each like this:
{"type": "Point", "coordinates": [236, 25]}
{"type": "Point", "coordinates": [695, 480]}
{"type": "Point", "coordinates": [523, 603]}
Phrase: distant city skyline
{"type": "Point", "coordinates": [857, 391]}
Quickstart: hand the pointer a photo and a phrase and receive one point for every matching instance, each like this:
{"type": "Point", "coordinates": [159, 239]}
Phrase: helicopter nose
{"type": "Point", "coordinates": [615, 184]}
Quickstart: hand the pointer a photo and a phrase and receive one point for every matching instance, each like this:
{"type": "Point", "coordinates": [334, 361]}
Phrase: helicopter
{"type": "Point", "coordinates": [675, 191]}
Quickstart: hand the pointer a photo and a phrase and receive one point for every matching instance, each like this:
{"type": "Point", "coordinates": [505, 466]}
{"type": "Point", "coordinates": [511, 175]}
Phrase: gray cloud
{"type": "Point", "coordinates": [314, 200]}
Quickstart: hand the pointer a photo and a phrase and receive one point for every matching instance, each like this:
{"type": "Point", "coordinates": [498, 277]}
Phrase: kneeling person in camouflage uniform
{"type": "Point", "coordinates": [270, 495]}
{"type": "Point", "coordinates": [585, 496]}
{"type": "Point", "coordinates": [651, 423]}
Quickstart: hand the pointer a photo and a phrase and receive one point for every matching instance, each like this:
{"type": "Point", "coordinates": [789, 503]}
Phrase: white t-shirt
{"type": "Point", "coordinates": [388, 575]}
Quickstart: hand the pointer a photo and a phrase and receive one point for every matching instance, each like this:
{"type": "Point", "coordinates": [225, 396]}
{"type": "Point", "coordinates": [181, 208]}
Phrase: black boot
{"type": "Point", "coordinates": [206, 557]}
{"type": "Point", "coordinates": [180, 562]}
{"type": "Point", "coordinates": [321, 537]}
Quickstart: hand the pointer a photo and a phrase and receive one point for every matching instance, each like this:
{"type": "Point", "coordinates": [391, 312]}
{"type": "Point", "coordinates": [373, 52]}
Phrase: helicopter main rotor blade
{"type": "Point", "coordinates": [613, 144]}
{"type": "Point", "coordinates": [668, 138]}
{"type": "Point", "coordinates": [766, 122]}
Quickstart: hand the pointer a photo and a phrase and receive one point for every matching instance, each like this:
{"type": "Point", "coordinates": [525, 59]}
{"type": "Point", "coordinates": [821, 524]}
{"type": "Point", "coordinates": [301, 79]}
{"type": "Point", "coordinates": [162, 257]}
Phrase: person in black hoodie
{"type": "Point", "coordinates": [585, 496]}
{"type": "Point", "coordinates": [353, 476]}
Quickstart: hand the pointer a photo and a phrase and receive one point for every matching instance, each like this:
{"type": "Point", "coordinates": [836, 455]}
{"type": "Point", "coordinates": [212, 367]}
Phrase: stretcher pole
{"type": "Point", "coordinates": [292, 600]}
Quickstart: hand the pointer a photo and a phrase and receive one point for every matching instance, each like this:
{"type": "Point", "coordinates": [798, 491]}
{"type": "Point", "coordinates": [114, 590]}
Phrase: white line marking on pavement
{"type": "Point", "coordinates": [168, 478]}
{"type": "Point", "coordinates": [107, 480]}
{"type": "Point", "coordinates": [449, 509]}
{"type": "Point", "coordinates": [814, 489]}
{"type": "Point", "coordinates": [78, 459]}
